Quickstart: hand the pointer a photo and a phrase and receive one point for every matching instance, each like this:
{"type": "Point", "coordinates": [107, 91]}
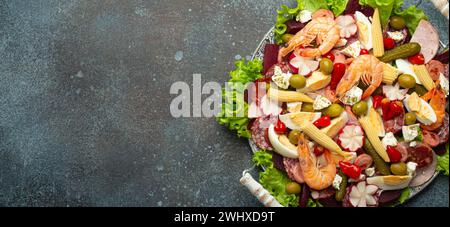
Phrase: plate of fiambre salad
{"type": "Point", "coordinates": [346, 104]}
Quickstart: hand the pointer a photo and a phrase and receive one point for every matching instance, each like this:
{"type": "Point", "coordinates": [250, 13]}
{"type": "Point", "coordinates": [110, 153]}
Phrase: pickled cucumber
{"type": "Point", "coordinates": [380, 165]}
{"type": "Point", "coordinates": [339, 196]}
{"type": "Point", "coordinates": [403, 51]}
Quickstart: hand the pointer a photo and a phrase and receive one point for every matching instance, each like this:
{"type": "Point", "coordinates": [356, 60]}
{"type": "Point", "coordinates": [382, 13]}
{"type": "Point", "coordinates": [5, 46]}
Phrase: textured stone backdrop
{"type": "Point", "coordinates": [84, 102]}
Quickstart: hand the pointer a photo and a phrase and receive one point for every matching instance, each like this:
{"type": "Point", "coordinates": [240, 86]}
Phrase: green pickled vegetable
{"type": "Point", "coordinates": [403, 51]}
{"type": "Point", "coordinates": [380, 164]}
{"type": "Point", "coordinates": [339, 196]}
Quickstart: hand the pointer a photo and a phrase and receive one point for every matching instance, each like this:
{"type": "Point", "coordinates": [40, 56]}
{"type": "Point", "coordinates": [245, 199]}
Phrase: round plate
{"type": "Point", "coordinates": [259, 54]}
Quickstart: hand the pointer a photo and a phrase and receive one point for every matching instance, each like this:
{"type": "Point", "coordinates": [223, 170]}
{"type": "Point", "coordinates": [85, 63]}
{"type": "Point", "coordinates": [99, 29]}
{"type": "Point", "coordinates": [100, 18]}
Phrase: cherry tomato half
{"type": "Point", "coordinates": [417, 59]}
{"type": "Point", "coordinates": [280, 127]}
{"type": "Point", "coordinates": [363, 52]}
{"type": "Point", "coordinates": [389, 43]}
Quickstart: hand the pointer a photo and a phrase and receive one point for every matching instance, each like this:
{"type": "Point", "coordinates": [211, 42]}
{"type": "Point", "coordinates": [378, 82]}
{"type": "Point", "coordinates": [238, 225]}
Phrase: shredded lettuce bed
{"type": "Point", "coordinates": [274, 180]}
{"type": "Point", "coordinates": [443, 164]}
{"type": "Point", "coordinates": [233, 101]}
{"type": "Point", "coordinates": [412, 15]}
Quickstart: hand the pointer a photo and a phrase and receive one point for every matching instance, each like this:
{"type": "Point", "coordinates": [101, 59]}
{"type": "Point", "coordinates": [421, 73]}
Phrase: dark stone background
{"type": "Point", "coordinates": [84, 102]}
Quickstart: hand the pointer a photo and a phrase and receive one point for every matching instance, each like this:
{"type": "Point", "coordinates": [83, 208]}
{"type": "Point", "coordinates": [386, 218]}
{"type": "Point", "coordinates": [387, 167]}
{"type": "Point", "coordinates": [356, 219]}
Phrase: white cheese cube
{"type": "Point", "coordinates": [410, 132]}
{"type": "Point", "coordinates": [389, 140]}
{"type": "Point", "coordinates": [321, 103]}
{"type": "Point", "coordinates": [353, 50]}
{"type": "Point", "coordinates": [352, 96]}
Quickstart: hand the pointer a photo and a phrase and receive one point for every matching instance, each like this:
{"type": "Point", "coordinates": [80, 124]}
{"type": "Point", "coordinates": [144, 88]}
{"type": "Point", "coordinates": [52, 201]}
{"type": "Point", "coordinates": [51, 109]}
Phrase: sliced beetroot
{"type": "Point", "coordinates": [442, 57]}
{"type": "Point", "coordinates": [389, 197]}
{"type": "Point", "coordinates": [440, 150]}
{"type": "Point", "coordinates": [278, 162]}
{"type": "Point", "coordinates": [330, 202]}
{"type": "Point", "coordinates": [294, 26]}
{"type": "Point", "coordinates": [353, 6]}
{"type": "Point", "coordinates": [304, 197]}
{"type": "Point", "coordinates": [270, 56]}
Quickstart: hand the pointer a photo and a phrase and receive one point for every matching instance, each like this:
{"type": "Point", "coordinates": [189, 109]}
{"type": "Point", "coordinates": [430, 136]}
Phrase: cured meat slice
{"type": "Point", "coordinates": [435, 68]}
{"type": "Point", "coordinates": [421, 154]}
{"type": "Point", "coordinates": [293, 170]}
{"type": "Point", "coordinates": [431, 138]}
{"type": "Point", "coordinates": [270, 56]}
{"type": "Point", "coordinates": [443, 131]}
{"type": "Point", "coordinates": [394, 125]}
{"type": "Point", "coordinates": [424, 174]}
{"type": "Point", "coordinates": [428, 38]}
{"type": "Point", "coordinates": [259, 131]}
{"type": "Point", "coordinates": [403, 149]}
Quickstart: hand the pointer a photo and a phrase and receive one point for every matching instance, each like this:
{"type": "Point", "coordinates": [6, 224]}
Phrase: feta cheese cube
{"type": "Point", "coordinates": [353, 50]}
{"type": "Point", "coordinates": [411, 168]}
{"type": "Point", "coordinates": [389, 140]}
{"type": "Point", "coordinates": [281, 79]}
{"type": "Point", "coordinates": [293, 107]}
{"type": "Point", "coordinates": [370, 172]}
{"type": "Point", "coordinates": [337, 182]}
{"type": "Point", "coordinates": [304, 16]}
{"type": "Point", "coordinates": [321, 103]}
{"type": "Point", "coordinates": [397, 36]}
{"type": "Point", "coordinates": [352, 96]}
{"type": "Point", "coordinates": [410, 132]}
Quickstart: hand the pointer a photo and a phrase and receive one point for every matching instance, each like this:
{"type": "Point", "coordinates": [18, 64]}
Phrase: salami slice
{"type": "Point", "coordinates": [259, 131]}
{"type": "Point", "coordinates": [435, 68]}
{"type": "Point", "coordinates": [421, 154]}
{"type": "Point", "coordinates": [293, 170]}
{"type": "Point", "coordinates": [443, 131]}
{"type": "Point", "coordinates": [431, 138]}
{"type": "Point", "coordinates": [394, 125]}
{"type": "Point", "coordinates": [424, 174]}
{"type": "Point", "coordinates": [403, 149]}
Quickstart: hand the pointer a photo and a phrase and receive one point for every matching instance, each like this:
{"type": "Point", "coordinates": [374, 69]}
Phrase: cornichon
{"type": "Point", "coordinates": [342, 187]}
{"type": "Point", "coordinates": [380, 165]}
{"type": "Point", "coordinates": [403, 51]}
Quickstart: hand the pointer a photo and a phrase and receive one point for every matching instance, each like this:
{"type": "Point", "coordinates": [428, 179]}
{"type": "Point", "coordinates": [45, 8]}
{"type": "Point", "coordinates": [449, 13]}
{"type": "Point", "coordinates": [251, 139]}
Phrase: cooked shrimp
{"type": "Point", "coordinates": [366, 68]}
{"type": "Point", "coordinates": [317, 178]}
{"type": "Point", "coordinates": [437, 101]}
{"type": "Point", "coordinates": [323, 13]}
{"type": "Point", "coordinates": [322, 29]}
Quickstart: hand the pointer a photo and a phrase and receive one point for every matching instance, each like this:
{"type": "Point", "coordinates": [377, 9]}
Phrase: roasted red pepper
{"type": "Point", "coordinates": [391, 109]}
{"type": "Point", "coordinates": [280, 127]}
{"type": "Point", "coordinates": [389, 43]}
{"type": "Point", "coordinates": [377, 101]}
{"type": "Point", "coordinates": [417, 59]}
{"type": "Point", "coordinates": [318, 150]}
{"type": "Point", "coordinates": [329, 55]}
{"type": "Point", "coordinates": [363, 52]}
{"type": "Point", "coordinates": [323, 122]}
{"type": "Point", "coordinates": [394, 154]}
{"type": "Point", "coordinates": [336, 76]}
{"type": "Point", "coordinates": [350, 170]}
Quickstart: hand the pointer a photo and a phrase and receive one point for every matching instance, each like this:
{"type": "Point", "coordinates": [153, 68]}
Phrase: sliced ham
{"type": "Point", "coordinates": [428, 38]}
{"type": "Point", "coordinates": [431, 138]}
{"type": "Point", "coordinates": [435, 68]}
{"type": "Point", "coordinates": [293, 170]}
{"type": "Point", "coordinates": [394, 125]}
{"type": "Point", "coordinates": [402, 147]}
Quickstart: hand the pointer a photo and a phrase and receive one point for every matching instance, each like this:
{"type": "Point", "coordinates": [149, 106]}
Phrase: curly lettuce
{"type": "Point", "coordinates": [404, 196]}
{"type": "Point", "coordinates": [385, 7]}
{"type": "Point", "coordinates": [337, 6]}
{"type": "Point", "coordinates": [412, 16]}
{"type": "Point", "coordinates": [443, 164]}
{"type": "Point", "coordinates": [234, 108]}
{"type": "Point", "coordinates": [274, 180]}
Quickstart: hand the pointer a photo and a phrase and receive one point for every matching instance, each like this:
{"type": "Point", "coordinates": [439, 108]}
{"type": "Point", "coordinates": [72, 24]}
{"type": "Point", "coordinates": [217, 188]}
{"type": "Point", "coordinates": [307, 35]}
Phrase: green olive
{"type": "Point", "coordinates": [399, 169]}
{"type": "Point", "coordinates": [293, 188]}
{"type": "Point", "coordinates": [420, 90]}
{"type": "Point", "coordinates": [293, 136]}
{"type": "Point", "coordinates": [334, 110]}
{"type": "Point", "coordinates": [360, 108]}
{"type": "Point", "coordinates": [297, 81]}
{"type": "Point", "coordinates": [406, 81]}
{"type": "Point", "coordinates": [410, 119]}
{"type": "Point", "coordinates": [326, 66]}
{"type": "Point", "coordinates": [307, 107]}
{"type": "Point", "coordinates": [397, 22]}
{"type": "Point", "coordinates": [286, 37]}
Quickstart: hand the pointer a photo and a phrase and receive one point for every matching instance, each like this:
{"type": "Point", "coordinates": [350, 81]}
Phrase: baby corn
{"type": "Point", "coordinates": [373, 138]}
{"type": "Point", "coordinates": [424, 77]}
{"type": "Point", "coordinates": [377, 35]}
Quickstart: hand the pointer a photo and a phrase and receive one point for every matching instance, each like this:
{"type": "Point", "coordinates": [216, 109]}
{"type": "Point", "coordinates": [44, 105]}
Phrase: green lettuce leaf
{"type": "Point", "coordinates": [385, 7]}
{"type": "Point", "coordinates": [412, 16]}
{"type": "Point", "coordinates": [337, 6]}
{"type": "Point", "coordinates": [274, 180]}
{"type": "Point", "coordinates": [314, 5]}
{"type": "Point", "coordinates": [313, 203]}
{"type": "Point", "coordinates": [404, 196]}
{"type": "Point", "coordinates": [234, 108]}
{"type": "Point", "coordinates": [443, 162]}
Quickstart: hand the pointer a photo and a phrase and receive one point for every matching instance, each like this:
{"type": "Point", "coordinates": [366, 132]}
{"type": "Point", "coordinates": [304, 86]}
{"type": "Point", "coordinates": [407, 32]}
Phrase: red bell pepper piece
{"type": "Point", "coordinates": [350, 170]}
{"type": "Point", "coordinates": [377, 101]}
{"type": "Point", "coordinates": [280, 127]}
{"type": "Point", "coordinates": [394, 154]}
{"type": "Point", "coordinates": [323, 122]}
{"type": "Point", "coordinates": [336, 76]}
{"type": "Point", "coordinates": [417, 59]}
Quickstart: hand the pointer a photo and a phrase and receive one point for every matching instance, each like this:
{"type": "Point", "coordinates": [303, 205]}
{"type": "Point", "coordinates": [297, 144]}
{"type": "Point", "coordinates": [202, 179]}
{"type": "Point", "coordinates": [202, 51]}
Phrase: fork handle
{"type": "Point", "coordinates": [258, 191]}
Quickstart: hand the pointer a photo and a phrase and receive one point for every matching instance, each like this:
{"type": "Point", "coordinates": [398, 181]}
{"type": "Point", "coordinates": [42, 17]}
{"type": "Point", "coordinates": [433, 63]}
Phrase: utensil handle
{"type": "Point", "coordinates": [259, 192]}
{"type": "Point", "coordinates": [442, 6]}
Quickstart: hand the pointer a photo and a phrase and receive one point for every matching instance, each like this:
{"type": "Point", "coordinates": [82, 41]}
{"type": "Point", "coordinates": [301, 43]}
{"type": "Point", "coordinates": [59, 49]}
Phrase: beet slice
{"type": "Point", "coordinates": [389, 197]}
{"type": "Point", "coordinates": [270, 56]}
{"type": "Point", "coordinates": [294, 26]}
{"type": "Point", "coordinates": [278, 161]}
{"type": "Point", "coordinates": [303, 201]}
{"type": "Point", "coordinates": [440, 150]}
{"type": "Point", "coordinates": [353, 6]}
{"type": "Point", "coordinates": [442, 57]}
{"type": "Point", "coordinates": [329, 202]}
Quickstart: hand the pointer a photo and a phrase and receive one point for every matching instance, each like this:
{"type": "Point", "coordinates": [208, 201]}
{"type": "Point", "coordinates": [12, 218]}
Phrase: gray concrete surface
{"type": "Point", "coordinates": [84, 102]}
